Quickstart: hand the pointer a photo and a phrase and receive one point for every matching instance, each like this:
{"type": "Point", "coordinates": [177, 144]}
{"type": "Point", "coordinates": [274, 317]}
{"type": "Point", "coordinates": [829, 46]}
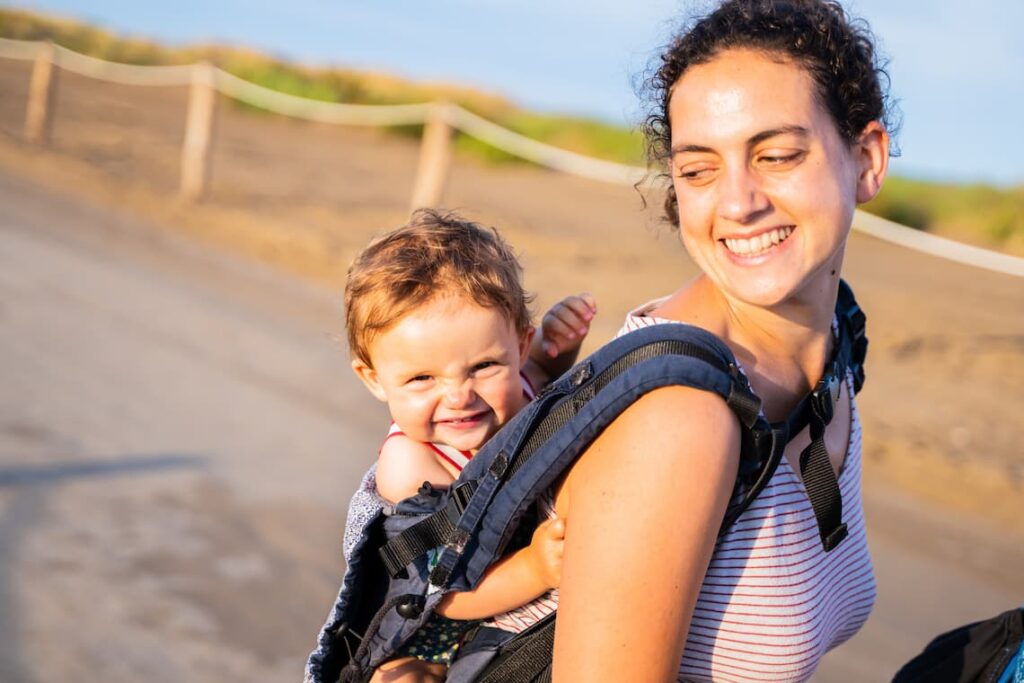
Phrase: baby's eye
{"type": "Point", "coordinates": [480, 367]}
{"type": "Point", "coordinates": [419, 379]}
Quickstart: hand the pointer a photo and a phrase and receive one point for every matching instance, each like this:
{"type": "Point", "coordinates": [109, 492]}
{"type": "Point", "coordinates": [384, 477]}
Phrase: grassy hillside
{"type": "Point", "coordinates": [976, 213]}
{"type": "Point", "coordinates": [984, 215]}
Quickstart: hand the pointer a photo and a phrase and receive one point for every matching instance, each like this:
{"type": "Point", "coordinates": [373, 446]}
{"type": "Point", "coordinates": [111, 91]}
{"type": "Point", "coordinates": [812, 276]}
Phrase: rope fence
{"type": "Point", "coordinates": [439, 118]}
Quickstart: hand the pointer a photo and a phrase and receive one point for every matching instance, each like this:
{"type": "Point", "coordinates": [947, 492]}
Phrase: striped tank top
{"type": "Point", "coordinates": [773, 602]}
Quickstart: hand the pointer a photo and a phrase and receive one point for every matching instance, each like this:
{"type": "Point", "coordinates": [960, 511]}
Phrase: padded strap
{"type": "Point", "coordinates": [439, 528]}
{"type": "Point", "coordinates": [527, 658]}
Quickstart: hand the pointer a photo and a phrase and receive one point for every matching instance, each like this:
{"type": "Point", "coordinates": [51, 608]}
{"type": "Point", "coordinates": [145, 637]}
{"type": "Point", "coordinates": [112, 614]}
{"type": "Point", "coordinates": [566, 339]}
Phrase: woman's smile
{"type": "Point", "coordinates": [757, 244]}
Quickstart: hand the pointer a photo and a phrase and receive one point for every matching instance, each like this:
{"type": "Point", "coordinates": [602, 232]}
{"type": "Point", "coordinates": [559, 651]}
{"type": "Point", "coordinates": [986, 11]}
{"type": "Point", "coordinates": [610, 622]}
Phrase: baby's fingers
{"type": "Point", "coordinates": [583, 305]}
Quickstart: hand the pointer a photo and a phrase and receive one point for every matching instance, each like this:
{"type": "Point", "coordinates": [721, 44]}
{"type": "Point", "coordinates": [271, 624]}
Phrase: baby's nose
{"type": "Point", "coordinates": [459, 394]}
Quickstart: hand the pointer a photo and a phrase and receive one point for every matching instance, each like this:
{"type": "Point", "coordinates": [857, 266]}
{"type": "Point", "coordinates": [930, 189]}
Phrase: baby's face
{"type": "Point", "coordinates": [449, 372]}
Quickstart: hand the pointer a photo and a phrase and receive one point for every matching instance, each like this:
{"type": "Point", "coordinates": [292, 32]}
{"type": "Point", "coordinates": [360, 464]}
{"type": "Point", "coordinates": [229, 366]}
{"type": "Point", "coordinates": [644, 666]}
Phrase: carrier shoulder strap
{"type": "Point", "coordinates": [817, 410]}
{"type": "Point", "coordinates": [527, 656]}
{"type": "Point", "coordinates": [560, 403]}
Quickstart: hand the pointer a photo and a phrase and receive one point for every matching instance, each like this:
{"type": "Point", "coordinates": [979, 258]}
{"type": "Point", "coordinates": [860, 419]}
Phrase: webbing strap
{"type": "Point", "coordinates": [428, 533]}
{"type": "Point", "coordinates": [822, 486]}
{"type": "Point", "coordinates": [817, 409]}
{"type": "Point", "coordinates": [414, 541]}
{"type": "Point", "coordinates": [529, 658]}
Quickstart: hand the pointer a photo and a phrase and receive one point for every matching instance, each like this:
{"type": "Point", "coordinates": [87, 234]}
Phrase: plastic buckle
{"type": "Point", "coordinates": [826, 395]}
{"type": "Point", "coordinates": [834, 538]}
{"type": "Point", "coordinates": [458, 498]}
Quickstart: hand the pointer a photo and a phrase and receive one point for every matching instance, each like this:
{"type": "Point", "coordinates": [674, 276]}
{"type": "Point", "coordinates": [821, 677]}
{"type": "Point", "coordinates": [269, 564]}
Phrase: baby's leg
{"type": "Point", "coordinates": [409, 670]}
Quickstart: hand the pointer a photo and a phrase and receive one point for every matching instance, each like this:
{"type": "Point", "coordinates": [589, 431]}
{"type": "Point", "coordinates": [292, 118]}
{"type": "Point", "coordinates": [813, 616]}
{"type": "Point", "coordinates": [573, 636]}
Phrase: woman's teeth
{"type": "Point", "coordinates": [755, 245]}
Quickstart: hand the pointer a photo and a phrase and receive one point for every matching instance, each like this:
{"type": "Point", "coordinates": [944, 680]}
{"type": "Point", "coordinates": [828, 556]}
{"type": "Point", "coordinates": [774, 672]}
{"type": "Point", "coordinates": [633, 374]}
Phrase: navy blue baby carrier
{"type": "Point", "coordinates": [390, 587]}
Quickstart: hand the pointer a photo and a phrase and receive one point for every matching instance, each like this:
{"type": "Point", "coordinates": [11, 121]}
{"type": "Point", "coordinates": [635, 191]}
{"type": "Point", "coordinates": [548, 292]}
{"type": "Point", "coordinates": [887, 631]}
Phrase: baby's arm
{"type": "Point", "coordinates": [515, 580]}
{"type": "Point", "coordinates": [562, 330]}
{"type": "Point", "coordinates": [403, 466]}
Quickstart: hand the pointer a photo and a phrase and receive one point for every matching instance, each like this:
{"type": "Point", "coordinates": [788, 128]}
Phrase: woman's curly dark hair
{"type": "Point", "coordinates": [837, 51]}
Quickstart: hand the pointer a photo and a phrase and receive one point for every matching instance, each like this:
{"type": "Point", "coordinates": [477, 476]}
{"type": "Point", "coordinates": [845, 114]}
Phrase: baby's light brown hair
{"type": "Point", "coordinates": [435, 254]}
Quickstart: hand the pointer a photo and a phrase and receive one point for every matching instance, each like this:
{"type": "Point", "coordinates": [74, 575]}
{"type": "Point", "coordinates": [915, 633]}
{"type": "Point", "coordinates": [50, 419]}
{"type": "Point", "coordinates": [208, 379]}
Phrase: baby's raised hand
{"type": "Point", "coordinates": [564, 326]}
{"type": "Point", "coordinates": [546, 551]}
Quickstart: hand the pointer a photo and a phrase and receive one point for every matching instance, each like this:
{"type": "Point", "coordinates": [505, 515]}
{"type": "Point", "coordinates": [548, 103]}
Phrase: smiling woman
{"type": "Point", "coordinates": [769, 116]}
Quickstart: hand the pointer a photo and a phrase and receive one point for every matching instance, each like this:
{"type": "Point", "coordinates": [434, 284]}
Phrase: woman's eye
{"type": "Point", "coordinates": [696, 175]}
{"type": "Point", "coordinates": [779, 159]}
{"type": "Point", "coordinates": [692, 173]}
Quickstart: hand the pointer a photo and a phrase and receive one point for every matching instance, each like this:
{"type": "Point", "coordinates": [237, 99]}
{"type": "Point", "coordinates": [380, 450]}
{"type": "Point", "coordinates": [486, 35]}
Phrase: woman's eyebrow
{"type": "Point", "coordinates": [754, 140]}
{"type": "Point", "coordinates": [773, 132]}
{"type": "Point", "coordinates": [683, 148]}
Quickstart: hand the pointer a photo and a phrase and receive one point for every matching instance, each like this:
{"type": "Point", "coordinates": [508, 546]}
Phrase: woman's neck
{"type": "Point", "coordinates": [783, 349]}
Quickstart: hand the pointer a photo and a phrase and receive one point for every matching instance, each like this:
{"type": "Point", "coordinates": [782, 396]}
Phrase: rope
{"type": "Point", "coordinates": [541, 153]}
{"type": "Point", "coordinates": [470, 124]}
{"type": "Point", "coordinates": [19, 49]}
{"type": "Point", "coordinates": [927, 243]}
{"type": "Point", "coordinates": [316, 110]}
{"type": "Point", "coordinates": [124, 74]}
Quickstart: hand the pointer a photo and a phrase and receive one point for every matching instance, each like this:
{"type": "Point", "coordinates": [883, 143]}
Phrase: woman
{"type": "Point", "coordinates": [769, 116]}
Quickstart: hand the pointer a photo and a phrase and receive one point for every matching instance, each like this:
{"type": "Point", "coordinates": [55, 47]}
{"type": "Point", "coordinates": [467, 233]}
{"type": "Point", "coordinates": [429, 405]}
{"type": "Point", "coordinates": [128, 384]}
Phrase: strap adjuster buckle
{"type": "Point", "coordinates": [458, 499]}
{"type": "Point", "coordinates": [826, 395]}
{"type": "Point", "coordinates": [834, 538]}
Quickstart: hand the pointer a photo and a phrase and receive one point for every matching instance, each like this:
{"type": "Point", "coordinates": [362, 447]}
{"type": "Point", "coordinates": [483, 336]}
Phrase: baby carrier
{"type": "Point", "coordinates": [390, 588]}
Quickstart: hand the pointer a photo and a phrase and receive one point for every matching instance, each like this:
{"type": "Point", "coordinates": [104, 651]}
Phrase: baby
{"type": "Point", "coordinates": [439, 329]}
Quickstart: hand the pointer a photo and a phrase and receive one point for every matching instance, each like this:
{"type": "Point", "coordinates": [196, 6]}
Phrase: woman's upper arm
{"type": "Point", "coordinates": [644, 505]}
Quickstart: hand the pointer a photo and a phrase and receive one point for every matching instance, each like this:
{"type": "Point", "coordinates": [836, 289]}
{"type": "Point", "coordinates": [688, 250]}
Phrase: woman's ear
{"type": "Point", "coordinates": [369, 378]}
{"type": "Point", "coordinates": [872, 152]}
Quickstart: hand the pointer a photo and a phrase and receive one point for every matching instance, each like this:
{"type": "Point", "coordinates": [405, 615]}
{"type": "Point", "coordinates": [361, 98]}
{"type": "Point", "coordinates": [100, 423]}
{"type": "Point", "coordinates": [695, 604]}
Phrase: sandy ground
{"type": "Point", "coordinates": [134, 563]}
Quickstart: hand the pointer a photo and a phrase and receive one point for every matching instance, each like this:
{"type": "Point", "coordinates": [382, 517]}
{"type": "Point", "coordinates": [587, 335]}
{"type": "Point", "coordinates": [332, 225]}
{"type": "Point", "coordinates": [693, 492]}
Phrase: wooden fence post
{"type": "Point", "coordinates": [41, 96]}
{"type": "Point", "coordinates": [435, 159]}
{"type": "Point", "coordinates": [195, 153]}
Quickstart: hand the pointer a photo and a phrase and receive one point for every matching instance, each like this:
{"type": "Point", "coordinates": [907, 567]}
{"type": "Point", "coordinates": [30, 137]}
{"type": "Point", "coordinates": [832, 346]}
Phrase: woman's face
{"type": "Point", "coordinates": [766, 186]}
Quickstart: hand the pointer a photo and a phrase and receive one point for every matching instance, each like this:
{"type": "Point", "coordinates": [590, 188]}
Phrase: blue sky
{"type": "Point", "coordinates": [957, 67]}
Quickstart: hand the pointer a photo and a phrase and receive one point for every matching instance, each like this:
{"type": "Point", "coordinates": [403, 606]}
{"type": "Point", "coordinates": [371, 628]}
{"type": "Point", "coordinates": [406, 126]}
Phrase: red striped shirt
{"type": "Point", "coordinates": [773, 602]}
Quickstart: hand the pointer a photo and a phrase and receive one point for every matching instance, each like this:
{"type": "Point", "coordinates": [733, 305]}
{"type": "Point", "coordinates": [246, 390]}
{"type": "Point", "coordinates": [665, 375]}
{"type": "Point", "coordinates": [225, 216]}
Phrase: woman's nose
{"type": "Point", "coordinates": [741, 198]}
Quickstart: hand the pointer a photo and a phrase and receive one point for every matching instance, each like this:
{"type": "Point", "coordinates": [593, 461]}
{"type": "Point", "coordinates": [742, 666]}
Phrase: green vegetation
{"type": "Point", "coordinates": [984, 215]}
